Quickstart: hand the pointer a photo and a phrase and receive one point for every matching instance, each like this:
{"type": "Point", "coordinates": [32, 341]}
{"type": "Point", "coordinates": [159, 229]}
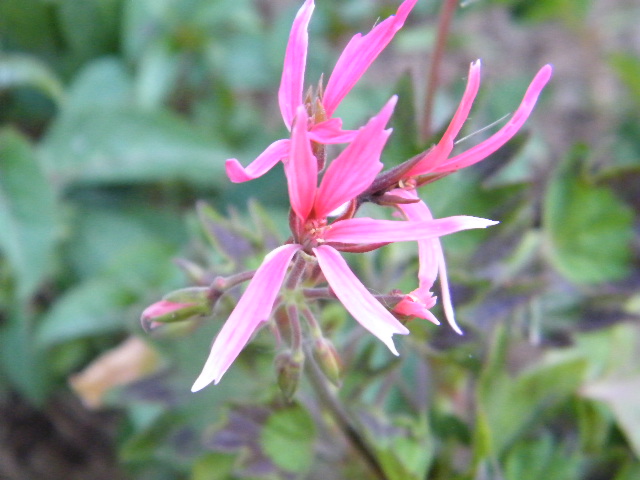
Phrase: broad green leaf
{"type": "Point", "coordinates": [127, 145]}
{"type": "Point", "coordinates": [631, 471]}
{"type": "Point", "coordinates": [157, 73]}
{"type": "Point", "coordinates": [403, 144]}
{"type": "Point", "coordinates": [589, 231]}
{"type": "Point", "coordinates": [542, 458]}
{"type": "Point", "coordinates": [27, 25]}
{"type": "Point", "coordinates": [92, 308]}
{"type": "Point", "coordinates": [406, 451]}
{"type": "Point", "coordinates": [288, 438]}
{"type": "Point", "coordinates": [622, 395]}
{"type": "Point", "coordinates": [98, 305]}
{"type": "Point", "coordinates": [213, 466]}
{"type": "Point", "coordinates": [569, 11]}
{"type": "Point", "coordinates": [508, 406]}
{"type": "Point", "coordinates": [103, 83]}
{"type": "Point", "coordinates": [25, 71]}
{"type": "Point", "coordinates": [627, 67]}
{"type": "Point", "coordinates": [89, 27]}
{"type": "Point", "coordinates": [27, 212]}
{"type": "Point", "coordinates": [20, 360]}
{"type": "Point", "coordinates": [102, 239]}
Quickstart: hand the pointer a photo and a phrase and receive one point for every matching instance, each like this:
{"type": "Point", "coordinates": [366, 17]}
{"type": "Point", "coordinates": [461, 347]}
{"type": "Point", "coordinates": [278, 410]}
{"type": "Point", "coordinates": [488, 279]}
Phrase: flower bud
{"type": "Point", "coordinates": [178, 306]}
{"type": "Point", "coordinates": [328, 360]}
{"type": "Point", "coordinates": [196, 295]}
{"type": "Point", "coordinates": [289, 369]}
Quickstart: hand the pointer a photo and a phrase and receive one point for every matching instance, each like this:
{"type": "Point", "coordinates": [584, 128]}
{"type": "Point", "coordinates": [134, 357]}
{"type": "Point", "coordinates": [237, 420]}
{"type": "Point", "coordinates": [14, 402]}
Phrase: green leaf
{"type": "Point", "coordinates": [213, 466]}
{"type": "Point", "coordinates": [27, 212]}
{"type": "Point", "coordinates": [23, 364]}
{"type": "Point", "coordinates": [589, 230]}
{"type": "Point", "coordinates": [403, 144]}
{"type": "Point", "coordinates": [27, 24]}
{"type": "Point", "coordinates": [102, 84]}
{"type": "Point", "coordinates": [541, 458]}
{"type": "Point", "coordinates": [622, 395]}
{"type": "Point", "coordinates": [288, 438]}
{"type": "Point", "coordinates": [91, 308]}
{"type": "Point", "coordinates": [631, 471]}
{"type": "Point", "coordinates": [122, 239]}
{"type": "Point", "coordinates": [508, 406]}
{"type": "Point", "coordinates": [158, 71]}
{"type": "Point", "coordinates": [569, 11]}
{"type": "Point", "coordinates": [406, 452]}
{"type": "Point", "coordinates": [127, 145]}
{"type": "Point", "coordinates": [97, 306]}
{"type": "Point", "coordinates": [627, 67]}
{"type": "Point", "coordinates": [25, 71]}
{"type": "Point", "coordinates": [89, 27]}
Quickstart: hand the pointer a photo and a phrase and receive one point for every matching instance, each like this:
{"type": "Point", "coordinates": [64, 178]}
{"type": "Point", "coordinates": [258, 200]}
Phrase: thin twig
{"type": "Point", "coordinates": [433, 74]}
{"type": "Point", "coordinates": [337, 411]}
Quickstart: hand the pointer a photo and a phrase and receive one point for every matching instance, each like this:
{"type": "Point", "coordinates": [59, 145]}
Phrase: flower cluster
{"type": "Point", "coordinates": [326, 195]}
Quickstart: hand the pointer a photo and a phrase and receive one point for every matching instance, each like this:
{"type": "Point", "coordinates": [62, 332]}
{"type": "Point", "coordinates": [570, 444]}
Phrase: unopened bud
{"type": "Point", "coordinates": [197, 295]}
{"type": "Point", "coordinates": [289, 369]}
{"type": "Point", "coordinates": [178, 306]}
{"type": "Point", "coordinates": [328, 360]}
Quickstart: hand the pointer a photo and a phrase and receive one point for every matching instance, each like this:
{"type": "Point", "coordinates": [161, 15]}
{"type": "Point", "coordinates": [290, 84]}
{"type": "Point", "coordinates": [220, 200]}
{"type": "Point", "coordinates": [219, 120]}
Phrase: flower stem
{"type": "Point", "coordinates": [444, 22]}
{"type": "Point", "coordinates": [332, 404]}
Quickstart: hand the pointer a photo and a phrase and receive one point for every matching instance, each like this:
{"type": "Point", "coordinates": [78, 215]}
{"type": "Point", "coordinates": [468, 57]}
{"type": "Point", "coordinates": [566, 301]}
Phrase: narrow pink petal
{"type": "Point", "coordinates": [295, 59]}
{"type": "Point", "coordinates": [427, 253]}
{"type": "Point", "coordinates": [359, 54]}
{"type": "Point", "coordinates": [416, 304]}
{"type": "Point", "coordinates": [330, 132]}
{"type": "Point", "coordinates": [444, 147]}
{"type": "Point", "coordinates": [447, 305]}
{"type": "Point", "coordinates": [431, 265]}
{"type": "Point", "coordinates": [301, 168]}
{"type": "Point", "coordinates": [355, 169]}
{"type": "Point", "coordinates": [253, 309]}
{"type": "Point", "coordinates": [502, 136]}
{"type": "Point", "coordinates": [368, 230]}
{"type": "Point", "coordinates": [356, 298]}
{"type": "Point", "coordinates": [261, 165]}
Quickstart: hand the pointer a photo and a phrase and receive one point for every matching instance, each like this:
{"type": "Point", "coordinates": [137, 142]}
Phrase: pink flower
{"type": "Point", "coordinates": [350, 174]}
{"type": "Point", "coordinates": [356, 58]}
{"type": "Point", "coordinates": [437, 159]}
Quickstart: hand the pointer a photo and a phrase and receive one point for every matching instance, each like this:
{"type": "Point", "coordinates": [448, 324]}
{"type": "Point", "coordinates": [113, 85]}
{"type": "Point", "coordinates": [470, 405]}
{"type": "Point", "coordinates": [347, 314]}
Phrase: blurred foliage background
{"type": "Point", "coordinates": [116, 116]}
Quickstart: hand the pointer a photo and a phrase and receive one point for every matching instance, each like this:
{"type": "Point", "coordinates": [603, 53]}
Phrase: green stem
{"type": "Point", "coordinates": [332, 404]}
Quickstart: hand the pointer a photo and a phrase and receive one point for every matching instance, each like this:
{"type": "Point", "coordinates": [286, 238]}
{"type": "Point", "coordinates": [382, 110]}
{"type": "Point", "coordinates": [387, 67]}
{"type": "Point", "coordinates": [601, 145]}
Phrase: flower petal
{"type": "Point", "coordinates": [368, 230]}
{"type": "Point", "coordinates": [330, 132]}
{"type": "Point", "coordinates": [502, 136]}
{"type": "Point", "coordinates": [353, 171]}
{"type": "Point", "coordinates": [416, 304]}
{"type": "Point", "coordinates": [359, 54]}
{"type": "Point", "coordinates": [363, 306]}
{"type": "Point", "coordinates": [301, 168]}
{"type": "Point", "coordinates": [261, 165]}
{"type": "Point", "coordinates": [440, 153]}
{"type": "Point", "coordinates": [427, 255]}
{"type": "Point", "coordinates": [431, 265]}
{"type": "Point", "coordinates": [254, 308]}
{"type": "Point", "coordinates": [295, 59]}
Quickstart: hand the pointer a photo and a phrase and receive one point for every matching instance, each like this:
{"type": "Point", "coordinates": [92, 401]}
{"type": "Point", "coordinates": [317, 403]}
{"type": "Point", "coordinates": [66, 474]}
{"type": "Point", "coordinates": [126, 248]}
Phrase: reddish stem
{"type": "Point", "coordinates": [433, 75]}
